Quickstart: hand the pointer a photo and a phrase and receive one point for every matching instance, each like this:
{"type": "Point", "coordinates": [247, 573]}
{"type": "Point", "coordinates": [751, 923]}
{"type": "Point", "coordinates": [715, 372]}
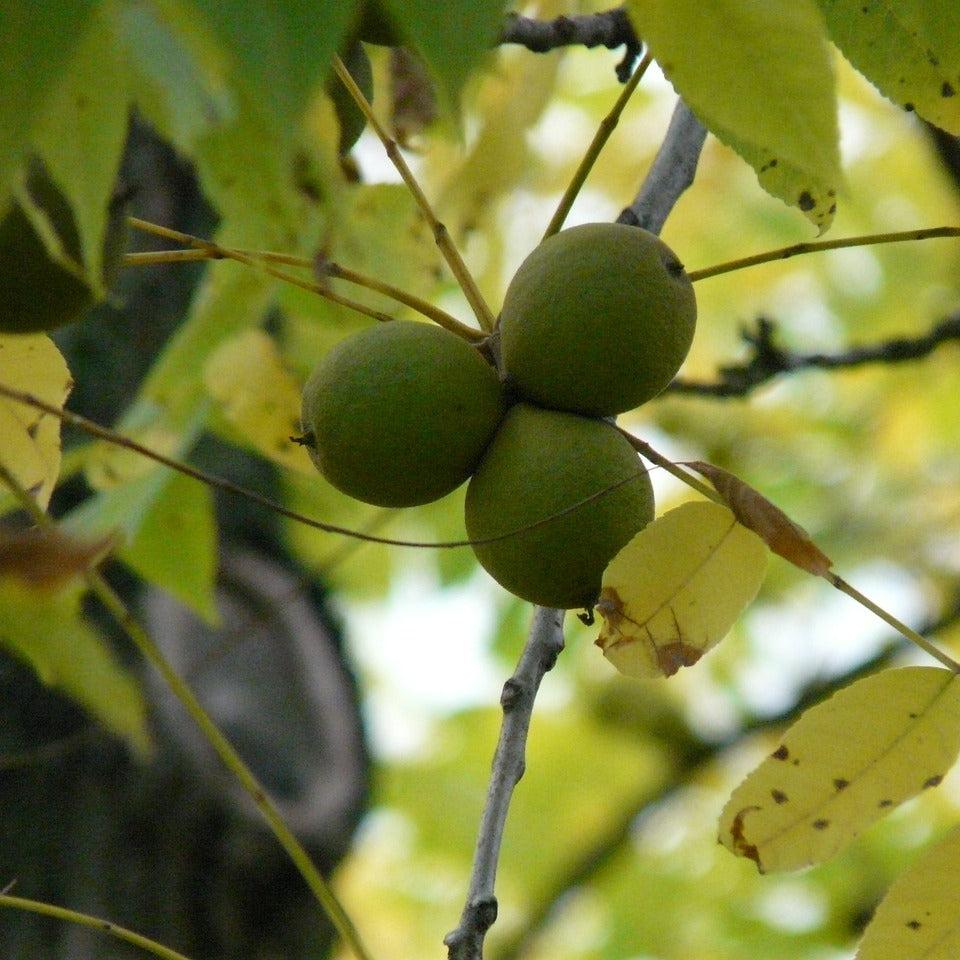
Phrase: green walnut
{"type": "Point", "coordinates": [36, 291]}
{"type": "Point", "coordinates": [400, 413]}
{"type": "Point", "coordinates": [597, 320]}
{"type": "Point", "coordinates": [540, 463]}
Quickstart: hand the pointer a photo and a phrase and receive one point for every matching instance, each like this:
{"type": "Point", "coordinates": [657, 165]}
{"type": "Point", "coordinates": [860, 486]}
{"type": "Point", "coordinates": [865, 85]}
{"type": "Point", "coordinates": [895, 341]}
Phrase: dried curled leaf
{"type": "Point", "coordinates": [784, 537]}
{"type": "Point", "coordinates": [46, 559]}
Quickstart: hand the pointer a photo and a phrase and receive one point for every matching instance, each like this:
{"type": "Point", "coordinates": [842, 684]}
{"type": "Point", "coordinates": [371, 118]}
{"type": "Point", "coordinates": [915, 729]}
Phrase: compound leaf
{"type": "Point", "coordinates": [843, 765]}
{"type": "Point", "coordinates": [676, 588]}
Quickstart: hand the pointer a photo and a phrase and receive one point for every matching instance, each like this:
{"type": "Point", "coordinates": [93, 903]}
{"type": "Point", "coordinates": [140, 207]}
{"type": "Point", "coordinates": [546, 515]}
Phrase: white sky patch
{"type": "Point", "coordinates": [821, 633]}
{"type": "Point", "coordinates": [861, 137]}
{"type": "Point", "coordinates": [425, 649]}
{"type": "Point", "coordinates": [791, 905]}
{"type": "Point", "coordinates": [855, 270]}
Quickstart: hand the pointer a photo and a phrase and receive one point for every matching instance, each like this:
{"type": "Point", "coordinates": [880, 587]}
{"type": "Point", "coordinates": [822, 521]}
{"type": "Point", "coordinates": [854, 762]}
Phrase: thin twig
{"type": "Point", "coordinates": [215, 252]}
{"type": "Point", "coordinates": [673, 170]}
{"type": "Point", "coordinates": [817, 246]}
{"type": "Point", "coordinates": [95, 923]}
{"type": "Point", "coordinates": [438, 316]}
{"type": "Point", "coordinates": [519, 693]}
{"type": "Point", "coordinates": [441, 235]}
{"type": "Point", "coordinates": [609, 28]}
{"type": "Point", "coordinates": [600, 138]}
{"type": "Point", "coordinates": [769, 360]}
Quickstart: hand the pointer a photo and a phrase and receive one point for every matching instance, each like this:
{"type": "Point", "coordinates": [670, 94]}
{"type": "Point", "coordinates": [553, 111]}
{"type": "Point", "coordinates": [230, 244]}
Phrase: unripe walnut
{"type": "Point", "coordinates": [540, 463]}
{"type": "Point", "coordinates": [400, 413]}
{"type": "Point", "coordinates": [597, 320]}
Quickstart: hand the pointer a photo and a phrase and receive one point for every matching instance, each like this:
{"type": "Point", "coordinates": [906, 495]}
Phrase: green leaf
{"type": "Point", "coordinates": [175, 546]}
{"type": "Point", "coordinates": [38, 42]}
{"type": "Point", "coordinates": [279, 52]}
{"type": "Point", "coordinates": [676, 588]}
{"type": "Point", "coordinates": [843, 765]}
{"type": "Point", "coordinates": [918, 918]}
{"type": "Point", "coordinates": [910, 49]}
{"type": "Point", "coordinates": [48, 631]}
{"type": "Point", "coordinates": [759, 77]}
{"type": "Point", "coordinates": [452, 37]}
{"type": "Point", "coordinates": [82, 133]}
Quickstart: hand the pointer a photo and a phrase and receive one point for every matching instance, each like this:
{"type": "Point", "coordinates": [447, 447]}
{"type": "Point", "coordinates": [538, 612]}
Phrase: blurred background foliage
{"type": "Point", "coordinates": [610, 849]}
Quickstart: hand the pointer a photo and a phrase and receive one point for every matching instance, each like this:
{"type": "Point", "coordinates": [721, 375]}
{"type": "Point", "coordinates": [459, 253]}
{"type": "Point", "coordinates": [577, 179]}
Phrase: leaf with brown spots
{"type": "Point", "coordinates": [784, 537]}
{"type": "Point", "coordinates": [871, 746]}
{"type": "Point", "coordinates": [917, 920]}
{"type": "Point", "coordinates": [909, 49]}
{"type": "Point", "coordinates": [676, 588]}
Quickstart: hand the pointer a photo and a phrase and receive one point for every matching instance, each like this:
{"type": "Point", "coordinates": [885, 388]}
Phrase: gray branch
{"type": "Point", "coordinates": [519, 692]}
{"type": "Point", "coordinates": [769, 360]}
{"type": "Point", "coordinates": [672, 172]}
{"type": "Point", "coordinates": [660, 191]}
{"type": "Point", "coordinates": [610, 29]}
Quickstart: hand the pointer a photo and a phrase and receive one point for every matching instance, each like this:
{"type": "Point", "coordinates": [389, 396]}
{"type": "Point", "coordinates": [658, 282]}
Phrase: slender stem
{"type": "Point", "coordinates": [153, 257]}
{"type": "Point", "coordinates": [785, 253]}
{"type": "Point", "coordinates": [205, 250]}
{"type": "Point", "coordinates": [519, 693]}
{"type": "Point", "coordinates": [216, 252]}
{"type": "Point", "coordinates": [438, 316]}
{"type": "Point", "coordinates": [645, 450]}
{"type": "Point", "coordinates": [114, 604]}
{"type": "Point", "coordinates": [95, 923]}
{"type": "Point", "coordinates": [890, 619]}
{"type": "Point", "coordinates": [450, 253]}
{"type": "Point", "coordinates": [600, 138]}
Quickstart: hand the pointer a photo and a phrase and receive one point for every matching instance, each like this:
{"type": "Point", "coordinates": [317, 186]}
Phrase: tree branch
{"type": "Point", "coordinates": [692, 761]}
{"type": "Point", "coordinates": [672, 172]}
{"type": "Point", "coordinates": [519, 692]}
{"type": "Point", "coordinates": [660, 190]}
{"type": "Point", "coordinates": [769, 361]}
{"type": "Point", "coordinates": [610, 29]}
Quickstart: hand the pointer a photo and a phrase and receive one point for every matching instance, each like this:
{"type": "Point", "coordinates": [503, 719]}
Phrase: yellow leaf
{"type": "Point", "coordinates": [919, 918]}
{"type": "Point", "coordinates": [31, 439]}
{"type": "Point", "coordinates": [258, 396]}
{"type": "Point", "coordinates": [844, 764]}
{"type": "Point", "coordinates": [676, 588]}
{"type": "Point", "coordinates": [111, 465]}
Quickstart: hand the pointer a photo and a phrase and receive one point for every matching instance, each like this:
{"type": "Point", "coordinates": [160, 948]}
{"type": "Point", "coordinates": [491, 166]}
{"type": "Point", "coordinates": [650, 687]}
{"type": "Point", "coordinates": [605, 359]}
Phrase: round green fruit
{"type": "Point", "coordinates": [540, 463]}
{"type": "Point", "coordinates": [597, 319]}
{"type": "Point", "coordinates": [36, 291]}
{"type": "Point", "coordinates": [400, 413]}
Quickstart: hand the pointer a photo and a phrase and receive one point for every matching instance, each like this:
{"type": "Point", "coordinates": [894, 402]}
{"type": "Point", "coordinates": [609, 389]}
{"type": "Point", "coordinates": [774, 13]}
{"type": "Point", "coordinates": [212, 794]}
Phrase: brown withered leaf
{"type": "Point", "coordinates": [784, 537]}
{"type": "Point", "coordinates": [47, 558]}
